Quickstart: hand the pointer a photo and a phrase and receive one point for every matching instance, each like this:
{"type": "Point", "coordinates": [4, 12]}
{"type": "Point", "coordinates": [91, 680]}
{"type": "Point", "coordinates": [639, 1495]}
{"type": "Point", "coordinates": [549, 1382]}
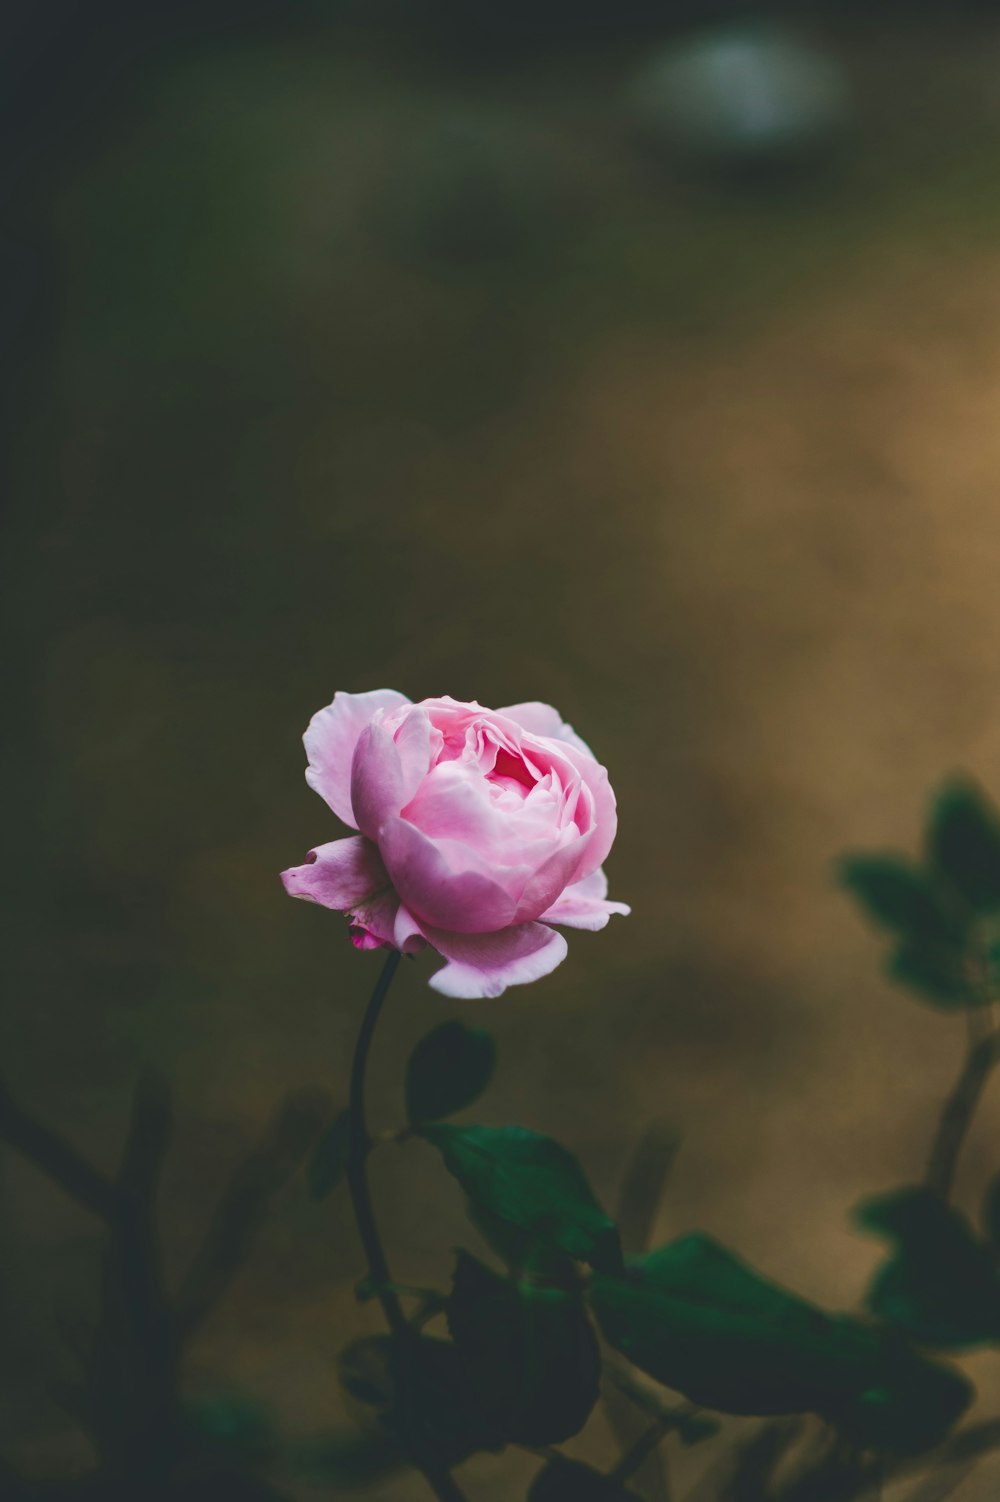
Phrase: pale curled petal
{"type": "Point", "coordinates": [486, 964]}
{"type": "Point", "coordinates": [585, 905]}
{"type": "Point", "coordinates": [542, 719]}
{"type": "Point", "coordinates": [338, 875]}
{"type": "Point", "coordinates": [330, 741]}
{"type": "Point", "coordinates": [583, 912]}
{"type": "Point", "coordinates": [406, 934]}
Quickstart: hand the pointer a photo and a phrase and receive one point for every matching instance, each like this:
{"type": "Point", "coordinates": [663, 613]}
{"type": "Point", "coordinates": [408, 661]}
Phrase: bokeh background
{"type": "Point", "coordinates": [507, 352]}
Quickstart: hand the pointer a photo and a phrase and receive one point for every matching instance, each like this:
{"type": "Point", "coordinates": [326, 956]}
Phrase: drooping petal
{"type": "Point", "coordinates": [486, 964]}
{"type": "Point", "coordinates": [339, 875]}
{"type": "Point", "coordinates": [330, 741]}
{"type": "Point", "coordinates": [585, 905]}
{"type": "Point", "coordinates": [373, 922]}
{"type": "Point", "coordinates": [388, 768]}
{"type": "Point", "coordinates": [465, 900]}
{"type": "Point", "coordinates": [542, 719]}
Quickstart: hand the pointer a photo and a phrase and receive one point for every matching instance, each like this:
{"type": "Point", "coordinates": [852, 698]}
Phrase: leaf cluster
{"type": "Point", "coordinates": [524, 1341]}
{"type": "Point", "coordinates": [943, 909]}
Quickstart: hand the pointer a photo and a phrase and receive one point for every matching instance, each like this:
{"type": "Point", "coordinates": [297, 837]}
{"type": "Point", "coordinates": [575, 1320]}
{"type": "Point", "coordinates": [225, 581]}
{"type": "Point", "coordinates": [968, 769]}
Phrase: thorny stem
{"type": "Point", "coordinates": [437, 1477]}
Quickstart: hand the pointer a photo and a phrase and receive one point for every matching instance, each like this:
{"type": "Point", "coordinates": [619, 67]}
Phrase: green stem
{"type": "Point", "coordinates": [960, 1107]}
{"type": "Point", "coordinates": [438, 1478]}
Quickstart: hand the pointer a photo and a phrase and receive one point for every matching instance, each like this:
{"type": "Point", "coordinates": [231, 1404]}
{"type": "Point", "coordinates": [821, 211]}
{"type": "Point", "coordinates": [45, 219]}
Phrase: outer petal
{"type": "Point", "coordinates": [486, 964]}
{"type": "Point", "coordinates": [406, 933]}
{"type": "Point", "coordinates": [338, 875]}
{"type": "Point", "coordinates": [387, 769]}
{"type": "Point", "coordinates": [330, 741]}
{"type": "Point", "coordinates": [605, 811]}
{"type": "Point", "coordinates": [468, 901]}
{"type": "Point", "coordinates": [554, 874]}
{"type": "Point", "coordinates": [584, 905]}
{"type": "Point", "coordinates": [542, 719]}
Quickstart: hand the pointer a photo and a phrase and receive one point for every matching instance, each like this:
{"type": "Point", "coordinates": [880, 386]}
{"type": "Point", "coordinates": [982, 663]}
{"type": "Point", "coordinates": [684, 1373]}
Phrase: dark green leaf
{"type": "Point", "coordinates": [529, 1352]}
{"type": "Point", "coordinates": [449, 1069]}
{"type": "Point", "coordinates": [524, 1252]}
{"type": "Point", "coordinates": [934, 972]}
{"type": "Point", "coordinates": [418, 1397]}
{"type": "Point", "coordinates": [941, 1286]}
{"type": "Point", "coordinates": [698, 1270]}
{"type": "Point", "coordinates": [532, 1182]}
{"type": "Point", "coordinates": [700, 1321]}
{"type": "Point", "coordinates": [909, 1407]}
{"type": "Point", "coordinates": [898, 894]}
{"type": "Point", "coordinates": [328, 1164]}
{"type": "Point", "coordinates": [571, 1481]}
{"type": "Point", "coordinates": [963, 842]}
{"type": "Point", "coordinates": [990, 1213]}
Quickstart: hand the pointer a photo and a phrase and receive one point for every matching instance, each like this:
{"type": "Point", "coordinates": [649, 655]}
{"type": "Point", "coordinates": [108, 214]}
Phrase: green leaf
{"type": "Point", "coordinates": [899, 895]}
{"type": "Point", "coordinates": [529, 1352]}
{"type": "Point", "coordinates": [418, 1397]}
{"type": "Point", "coordinates": [989, 1215]}
{"type": "Point", "coordinates": [533, 1183]}
{"type": "Point", "coordinates": [935, 972]}
{"type": "Point", "coordinates": [941, 1286]}
{"type": "Point", "coordinates": [700, 1321]}
{"type": "Point", "coordinates": [449, 1069]}
{"type": "Point", "coordinates": [699, 1270]}
{"type": "Point", "coordinates": [963, 842]}
{"type": "Point", "coordinates": [328, 1164]}
{"type": "Point", "coordinates": [524, 1252]}
{"type": "Point", "coordinates": [571, 1481]}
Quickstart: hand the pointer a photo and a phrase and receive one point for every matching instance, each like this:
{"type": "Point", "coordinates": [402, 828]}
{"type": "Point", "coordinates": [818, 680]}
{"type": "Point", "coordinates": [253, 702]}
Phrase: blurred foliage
{"type": "Point", "coordinates": [519, 1361]}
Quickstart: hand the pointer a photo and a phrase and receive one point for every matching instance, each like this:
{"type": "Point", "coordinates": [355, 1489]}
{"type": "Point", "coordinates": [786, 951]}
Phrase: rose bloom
{"type": "Point", "coordinates": [478, 829]}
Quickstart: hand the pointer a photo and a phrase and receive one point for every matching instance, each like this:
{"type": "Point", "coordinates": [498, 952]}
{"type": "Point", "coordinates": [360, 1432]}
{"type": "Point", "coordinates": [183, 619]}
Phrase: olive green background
{"type": "Point", "coordinates": [712, 467]}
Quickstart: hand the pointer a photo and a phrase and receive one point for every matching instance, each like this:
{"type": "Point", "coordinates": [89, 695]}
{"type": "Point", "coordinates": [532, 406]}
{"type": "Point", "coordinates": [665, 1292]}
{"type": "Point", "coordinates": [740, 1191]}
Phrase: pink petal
{"type": "Point", "coordinates": [387, 769]}
{"type": "Point", "coordinates": [338, 875]}
{"type": "Point", "coordinates": [330, 741]}
{"type": "Point", "coordinates": [467, 901]}
{"type": "Point", "coordinates": [373, 922]}
{"type": "Point", "coordinates": [554, 874]}
{"type": "Point", "coordinates": [542, 719]}
{"type": "Point", "coordinates": [583, 904]}
{"type": "Point", "coordinates": [605, 815]}
{"type": "Point", "coordinates": [486, 964]}
{"type": "Point", "coordinates": [406, 933]}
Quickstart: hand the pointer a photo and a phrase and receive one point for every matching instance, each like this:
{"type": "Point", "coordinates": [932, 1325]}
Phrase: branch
{"type": "Point", "coordinates": [54, 1156]}
{"type": "Point", "coordinates": [245, 1203]}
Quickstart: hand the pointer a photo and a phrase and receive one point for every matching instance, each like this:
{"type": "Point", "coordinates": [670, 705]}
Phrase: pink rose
{"type": "Point", "coordinates": [478, 830]}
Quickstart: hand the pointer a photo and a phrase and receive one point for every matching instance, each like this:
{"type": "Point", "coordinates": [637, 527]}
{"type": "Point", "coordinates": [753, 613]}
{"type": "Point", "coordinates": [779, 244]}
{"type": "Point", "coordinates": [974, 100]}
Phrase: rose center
{"type": "Point", "coordinates": [510, 774]}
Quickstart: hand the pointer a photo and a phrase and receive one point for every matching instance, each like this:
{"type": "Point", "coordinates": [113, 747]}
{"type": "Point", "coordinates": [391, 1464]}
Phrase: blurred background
{"type": "Point", "coordinates": [641, 358]}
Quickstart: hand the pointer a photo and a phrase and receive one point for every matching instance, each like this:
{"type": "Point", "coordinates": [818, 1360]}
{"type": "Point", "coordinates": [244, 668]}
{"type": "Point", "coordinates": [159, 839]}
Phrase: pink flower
{"type": "Point", "coordinates": [478, 830]}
